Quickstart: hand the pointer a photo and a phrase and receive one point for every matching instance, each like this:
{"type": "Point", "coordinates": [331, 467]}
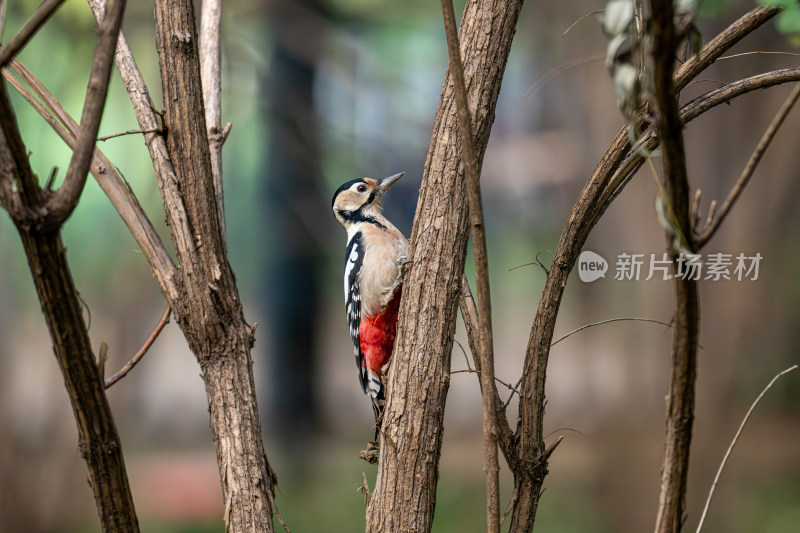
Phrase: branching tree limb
{"type": "Point", "coordinates": [40, 231]}
{"type": "Point", "coordinates": [117, 190]}
{"type": "Point", "coordinates": [709, 231]}
{"type": "Point", "coordinates": [405, 491]}
{"type": "Point", "coordinates": [609, 177]}
{"type": "Point", "coordinates": [210, 311]}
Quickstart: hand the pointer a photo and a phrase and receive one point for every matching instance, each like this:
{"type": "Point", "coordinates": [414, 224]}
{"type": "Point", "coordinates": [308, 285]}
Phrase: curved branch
{"type": "Point", "coordinates": [106, 175]}
{"type": "Point", "coordinates": [751, 166]}
{"type": "Point", "coordinates": [588, 208]}
{"type": "Point", "coordinates": [60, 205]}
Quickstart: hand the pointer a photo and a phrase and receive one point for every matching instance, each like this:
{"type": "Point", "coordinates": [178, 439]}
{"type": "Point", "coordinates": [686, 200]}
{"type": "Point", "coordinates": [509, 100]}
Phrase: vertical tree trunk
{"type": "Point", "coordinates": [209, 310]}
{"type": "Point", "coordinates": [411, 438]}
{"type": "Point", "coordinates": [98, 440]}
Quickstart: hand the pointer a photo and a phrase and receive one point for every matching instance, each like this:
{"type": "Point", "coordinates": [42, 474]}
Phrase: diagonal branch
{"type": "Point", "coordinates": [42, 15]}
{"type": "Point", "coordinates": [62, 203]}
{"type": "Point", "coordinates": [749, 169]}
{"type": "Point", "coordinates": [486, 353]}
{"type": "Point", "coordinates": [722, 43]}
{"type": "Point", "coordinates": [142, 351]}
{"type": "Point", "coordinates": [648, 141]}
{"type": "Point", "coordinates": [735, 440]}
{"type": "Point", "coordinates": [469, 312]}
{"type": "Point", "coordinates": [117, 190]}
{"type": "Point", "coordinates": [584, 215]}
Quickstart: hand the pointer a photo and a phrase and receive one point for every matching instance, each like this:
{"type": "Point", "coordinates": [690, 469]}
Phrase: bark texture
{"type": "Point", "coordinates": [38, 215]}
{"type": "Point", "coordinates": [686, 310]}
{"type": "Point", "coordinates": [208, 309]}
{"type": "Point", "coordinates": [411, 438]}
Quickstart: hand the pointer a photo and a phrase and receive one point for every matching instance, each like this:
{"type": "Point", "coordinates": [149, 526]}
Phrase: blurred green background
{"type": "Point", "coordinates": [320, 92]}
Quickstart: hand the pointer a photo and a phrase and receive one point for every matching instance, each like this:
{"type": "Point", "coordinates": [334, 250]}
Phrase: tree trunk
{"type": "Point", "coordinates": [98, 440]}
{"type": "Point", "coordinates": [419, 376]}
{"type": "Point", "coordinates": [208, 308]}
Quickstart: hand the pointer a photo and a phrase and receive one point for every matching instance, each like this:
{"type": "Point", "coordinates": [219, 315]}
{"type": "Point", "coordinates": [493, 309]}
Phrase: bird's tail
{"type": "Point", "coordinates": [378, 402]}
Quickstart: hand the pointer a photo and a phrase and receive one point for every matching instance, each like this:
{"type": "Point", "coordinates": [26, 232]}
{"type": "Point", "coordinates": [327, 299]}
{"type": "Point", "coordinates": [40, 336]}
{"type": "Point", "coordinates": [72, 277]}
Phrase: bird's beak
{"type": "Point", "coordinates": [386, 183]}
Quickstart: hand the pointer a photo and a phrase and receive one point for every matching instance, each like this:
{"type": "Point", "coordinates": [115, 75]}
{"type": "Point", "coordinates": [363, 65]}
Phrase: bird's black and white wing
{"type": "Point", "coordinates": [353, 260]}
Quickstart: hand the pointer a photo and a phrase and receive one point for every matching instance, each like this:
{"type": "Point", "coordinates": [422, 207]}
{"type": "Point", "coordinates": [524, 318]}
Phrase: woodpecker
{"type": "Point", "coordinates": [374, 265]}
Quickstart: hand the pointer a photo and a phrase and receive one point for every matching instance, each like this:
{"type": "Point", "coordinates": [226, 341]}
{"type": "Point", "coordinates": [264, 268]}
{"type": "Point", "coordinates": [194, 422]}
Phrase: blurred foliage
{"type": "Point", "coordinates": [788, 20]}
{"type": "Point", "coordinates": [377, 87]}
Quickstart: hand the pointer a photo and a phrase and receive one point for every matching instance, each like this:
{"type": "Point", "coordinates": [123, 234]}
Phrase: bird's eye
{"type": "Point", "coordinates": [361, 188]}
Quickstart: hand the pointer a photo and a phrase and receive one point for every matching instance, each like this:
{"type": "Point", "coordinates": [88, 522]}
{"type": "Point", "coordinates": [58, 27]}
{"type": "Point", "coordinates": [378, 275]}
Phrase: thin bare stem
{"type": "Point", "coordinates": [734, 441]}
{"type": "Point", "coordinates": [560, 69]}
{"type": "Point", "coordinates": [129, 132]}
{"type": "Point", "coordinates": [42, 15]}
{"type": "Point", "coordinates": [472, 176]}
{"type": "Point", "coordinates": [608, 321]}
{"type": "Point", "coordinates": [749, 169]}
{"type": "Point", "coordinates": [758, 52]}
{"type": "Point", "coordinates": [469, 312]}
{"type": "Point", "coordinates": [509, 386]}
{"type": "Point", "coordinates": [587, 15]}
{"type": "Point", "coordinates": [66, 198]}
{"type": "Point", "coordinates": [143, 350]}
{"type": "Point", "coordinates": [115, 188]}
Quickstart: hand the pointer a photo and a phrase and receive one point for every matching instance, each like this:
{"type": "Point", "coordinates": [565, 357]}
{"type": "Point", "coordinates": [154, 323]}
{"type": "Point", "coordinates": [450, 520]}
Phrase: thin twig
{"type": "Point", "coordinates": [472, 176]}
{"type": "Point", "coordinates": [275, 509]}
{"type": "Point", "coordinates": [102, 357]}
{"type": "Point", "coordinates": [734, 441]}
{"type": "Point", "coordinates": [129, 132]}
{"type": "Point", "coordinates": [587, 15]}
{"type": "Point", "coordinates": [750, 168]}
{"type": "Point", "coordinates": [365, 489]}
{"type": "Point", "coordinates": [463, 351]}
{"type": "Point", "coordinates": [42, 14]}
{"type": "Point", "coordinates": [608, 321]}
{"type": "Point", "coordinates": [560, 69]}
{"type": "Point", "coordinates": [115, 188]}
{"type": "Point", "coordinates": [758, 52]}
{"type": "Point", "coordinates": [143, 350]}
{"type": "Point", "coordinates": [537, 262]}
{"type": "Point", "coordinates": [509, 386]}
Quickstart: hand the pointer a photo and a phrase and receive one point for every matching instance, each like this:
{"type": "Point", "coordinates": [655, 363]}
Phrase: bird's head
{"type": "Point", "coordinates": [361, 199]}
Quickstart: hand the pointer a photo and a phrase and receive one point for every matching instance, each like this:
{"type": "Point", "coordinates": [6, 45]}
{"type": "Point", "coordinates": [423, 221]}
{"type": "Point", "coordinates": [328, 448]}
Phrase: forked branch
{"type": "Point", "coordinates": [749, 169]}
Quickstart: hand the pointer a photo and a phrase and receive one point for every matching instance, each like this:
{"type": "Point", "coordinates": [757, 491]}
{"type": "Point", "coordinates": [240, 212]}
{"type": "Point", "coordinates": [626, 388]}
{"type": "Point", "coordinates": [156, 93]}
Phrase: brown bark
{"type": "Point", "coordinates": [405, 491]}
{"type": "Point", "coordinates": [686, 309]}
{"type": "Point", "coordinates": [98, 440]}
{"type": "Point", "coordinates": [486, 343]}
{"type": "Point", "coordinates": [619, 163]}
{"type": "Point", "coordinates": [208, 309]}
{"type": "Point", "coordinates": [39, 227]}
